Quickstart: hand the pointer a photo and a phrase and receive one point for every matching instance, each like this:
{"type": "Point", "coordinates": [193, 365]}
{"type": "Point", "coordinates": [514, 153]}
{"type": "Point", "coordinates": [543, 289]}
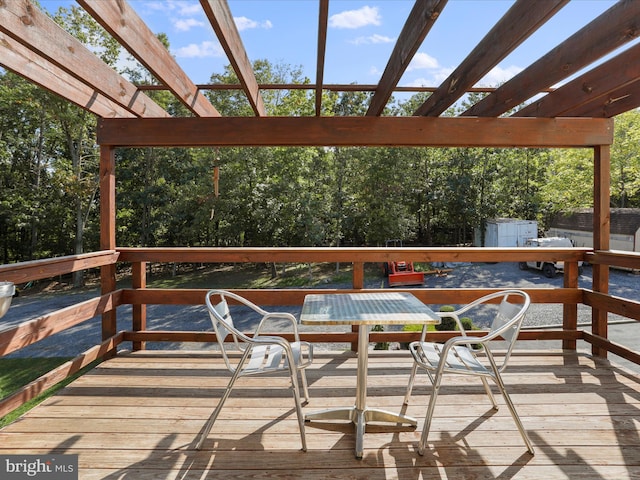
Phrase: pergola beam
{"type": "Point", "coordinates": [520, 21]}
{"type": "Point", "coordinates": [27, 24]}
{"type": "Point", "coordinates": [19, 59]}
{"type": "Point", "coordinates": [587, 88]}
{"type": "Point", "coordinates": [356, 131]}
{"type": "Point", "coordinates": [620, 100]}
{"type": "Point", "coordinates": [419, 22]}
{"type": "Point", "coordinates": [323, 17]}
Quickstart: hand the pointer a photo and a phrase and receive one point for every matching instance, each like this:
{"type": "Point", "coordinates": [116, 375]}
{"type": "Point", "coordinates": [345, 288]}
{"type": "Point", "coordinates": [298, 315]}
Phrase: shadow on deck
{"type": "Point", "coordinates": [136, 416]}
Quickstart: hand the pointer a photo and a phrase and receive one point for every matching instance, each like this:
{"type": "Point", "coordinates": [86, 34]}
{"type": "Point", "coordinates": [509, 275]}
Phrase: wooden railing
{"type": "Point", "coordinates": [32, 331]}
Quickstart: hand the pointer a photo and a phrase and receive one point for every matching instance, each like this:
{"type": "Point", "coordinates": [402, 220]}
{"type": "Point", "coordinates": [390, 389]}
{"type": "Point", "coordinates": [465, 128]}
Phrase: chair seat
{"type": "Point", "coordinates": [460, 359]}
{"type": "Point", "coordinates": [272, 358]}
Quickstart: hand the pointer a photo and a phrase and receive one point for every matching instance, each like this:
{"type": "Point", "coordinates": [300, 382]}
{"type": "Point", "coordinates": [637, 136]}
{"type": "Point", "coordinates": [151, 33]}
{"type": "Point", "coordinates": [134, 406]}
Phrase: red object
{"type": "Point", "coordinates": [402, 273]}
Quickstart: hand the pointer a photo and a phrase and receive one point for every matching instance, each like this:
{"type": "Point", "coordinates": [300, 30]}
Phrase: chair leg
{"type": "Point", "coordinates": [296, 396]}
{"type": "Point", "coordinates": [514, 414]}
{"type": "Point", "coordinates": [427, 419]}
{"type": "Point", "coordinates": [487, 389]}
{"type": "Point", "coordinates": [305, 385]}
{"type": "Point", "coordinates": [216, 412]}
{"type": "Point", "coordinates": [412, 379]}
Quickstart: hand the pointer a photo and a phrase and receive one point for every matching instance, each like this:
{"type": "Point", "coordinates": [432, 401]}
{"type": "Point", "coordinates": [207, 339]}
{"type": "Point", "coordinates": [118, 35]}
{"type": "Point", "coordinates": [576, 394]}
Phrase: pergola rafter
{"type": "Point", "coordinates": [222, 22]}
{"type": "Point", "coordinates": [611, 30]}
{"type": "Point", "coordinates": [122, 22]}
{"type": "Point", "coordinates": [520, 21]}
{"type": "Point", "coordinates": [28, 25]}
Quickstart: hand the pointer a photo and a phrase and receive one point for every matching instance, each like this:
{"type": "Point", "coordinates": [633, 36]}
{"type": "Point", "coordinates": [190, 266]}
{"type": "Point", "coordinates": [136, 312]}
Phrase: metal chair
{"type": "Point", "coordinates": [457, 354]}
{"type": "Point", "coordinates": [258, 354]}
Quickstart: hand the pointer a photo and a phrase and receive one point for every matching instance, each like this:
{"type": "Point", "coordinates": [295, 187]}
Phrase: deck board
{"type": "Point", "coordinates": [136, 416]}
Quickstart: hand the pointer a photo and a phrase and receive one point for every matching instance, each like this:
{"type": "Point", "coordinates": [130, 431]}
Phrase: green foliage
{"type": "Point", "coordinates": [417, 328]}
{"type": "Point", "coordinates": [447, 323]}
{"type": "Point", "coordinates": [467, 323]}
{"type": "Point", "coordinates": [380, 345]}
{"type": "Point", "coordinates": [625, 161]}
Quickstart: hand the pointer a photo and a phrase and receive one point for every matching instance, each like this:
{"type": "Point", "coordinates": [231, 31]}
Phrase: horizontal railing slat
{"type": "Point", "coordinates": [24, 272]}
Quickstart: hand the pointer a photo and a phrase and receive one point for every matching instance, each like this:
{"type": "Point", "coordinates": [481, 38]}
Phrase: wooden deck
{"type": "Point", "coordinates": [136, 416]}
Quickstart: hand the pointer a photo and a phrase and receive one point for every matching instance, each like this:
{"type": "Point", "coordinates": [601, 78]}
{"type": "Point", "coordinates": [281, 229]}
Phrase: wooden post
{"type": "Point", "coordinates": [108, 231]}
{"type": "Point", "coordinates": [358, 275]}
{"type": "Point", "coordinates": [570, 311]}
{"type": "Point", "coordinates": [601, 230]}
{"type": "Point", "coordinates": [139, 280]}
{"type": "Point", "coordinates": [358, 284]}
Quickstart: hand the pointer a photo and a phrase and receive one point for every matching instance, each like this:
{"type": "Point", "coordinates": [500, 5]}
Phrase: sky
{"type": "Point", "coordinates": [360, 38]}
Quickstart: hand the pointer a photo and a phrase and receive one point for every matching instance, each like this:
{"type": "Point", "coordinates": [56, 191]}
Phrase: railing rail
{"type": "Point", "coordinates": [349, 254]}
{"type": "Point", "coordinates": [24, 272]}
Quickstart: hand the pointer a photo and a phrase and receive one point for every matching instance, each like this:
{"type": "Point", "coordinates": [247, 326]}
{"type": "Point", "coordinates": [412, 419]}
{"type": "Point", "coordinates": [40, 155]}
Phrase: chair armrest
{"type": "Point", "coordinates": [471, 340]}
{"type": "Point", "coordinates": [279, 315]}
{"type": "Point", "coordinates": [456, 317]}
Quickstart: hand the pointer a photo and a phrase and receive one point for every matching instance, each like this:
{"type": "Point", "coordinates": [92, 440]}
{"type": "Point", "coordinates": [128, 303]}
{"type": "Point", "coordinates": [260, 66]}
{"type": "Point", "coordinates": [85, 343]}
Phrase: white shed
{"type": "Point", "coordinates": [506, 232]}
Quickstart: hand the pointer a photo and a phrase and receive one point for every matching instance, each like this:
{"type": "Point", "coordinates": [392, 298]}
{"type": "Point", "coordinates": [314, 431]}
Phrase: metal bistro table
{"type": "Point", "coordinates": [364, 310]}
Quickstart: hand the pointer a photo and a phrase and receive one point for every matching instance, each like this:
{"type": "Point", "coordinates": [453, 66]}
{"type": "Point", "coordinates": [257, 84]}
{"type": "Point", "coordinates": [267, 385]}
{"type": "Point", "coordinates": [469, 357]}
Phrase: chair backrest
{"type": "Point", "coordinates": [223, 326]}
{"type": "Point", "coordinates": [509, 317]}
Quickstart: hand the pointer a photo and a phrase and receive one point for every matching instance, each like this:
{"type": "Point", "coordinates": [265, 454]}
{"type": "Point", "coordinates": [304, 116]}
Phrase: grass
{"type": "Point", "coordinates": [17, 372]}
{"type": "Point", "coordinates": [257, 276]}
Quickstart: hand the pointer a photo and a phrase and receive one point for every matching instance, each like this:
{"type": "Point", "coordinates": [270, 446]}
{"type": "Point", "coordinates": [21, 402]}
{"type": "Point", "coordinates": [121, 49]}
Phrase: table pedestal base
{"type": "Point", "coordinates": [360, 418]}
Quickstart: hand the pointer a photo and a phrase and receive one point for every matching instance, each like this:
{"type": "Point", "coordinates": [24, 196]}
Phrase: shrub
{"type": "Point", "coordinates": [380, 345]}
{"type": "Point", "coordinates": [467, 323]}
{"type": "Point", "coordinates": [447, 323]}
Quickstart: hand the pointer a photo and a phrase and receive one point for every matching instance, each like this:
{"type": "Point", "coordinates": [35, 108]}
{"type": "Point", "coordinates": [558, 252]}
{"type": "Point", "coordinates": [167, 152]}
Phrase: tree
{"type": "Point", "coordinates": [75, 128]}
{"type": "Point", "coordinates": [625, 161]}
{"type": "Point", "coordinates": [24, 168]}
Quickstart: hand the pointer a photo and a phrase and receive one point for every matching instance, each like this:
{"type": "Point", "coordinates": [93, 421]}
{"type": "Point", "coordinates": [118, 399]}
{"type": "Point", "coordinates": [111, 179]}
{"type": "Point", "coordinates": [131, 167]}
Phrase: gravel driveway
{"type": "Point", "coordinates": [192, 317]}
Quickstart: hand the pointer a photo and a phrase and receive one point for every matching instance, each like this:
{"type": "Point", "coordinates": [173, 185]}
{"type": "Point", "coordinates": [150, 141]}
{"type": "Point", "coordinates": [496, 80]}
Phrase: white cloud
{"type": "Point", "coordinates": [356, 18]}
{"type": "Point", "coordinates": [185, 8]}
{"type": "Point", "coordinates": [244, 23]}
{"type": "Point", "coordinates": [419, 82]}
{"type": "Point", "coordinates": [438, 76]}
{"type": "Point", "coordinates": [201, 50]}
{"type": "Point", "coordinates": [189, 8]}
{"type": "Point", "coordinates": [372, 39]}
{"type": "Point", "coordinates": [158, 6]}
{"type": "Point", "coordinates": [498, 75]}
{"type": "Point", "coordinates": [422, 61]}
{"type": "Point", "coordinates": [184, 25]}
